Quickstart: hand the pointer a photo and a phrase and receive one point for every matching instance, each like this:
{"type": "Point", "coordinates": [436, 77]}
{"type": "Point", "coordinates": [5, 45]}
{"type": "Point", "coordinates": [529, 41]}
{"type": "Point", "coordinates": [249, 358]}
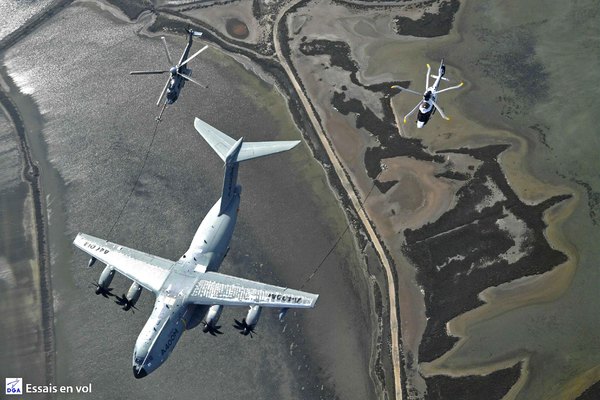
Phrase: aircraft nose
{"type": "Point", "coordinates": [139, 372]}
{"type": "Point", "coordinates": [420, 124]}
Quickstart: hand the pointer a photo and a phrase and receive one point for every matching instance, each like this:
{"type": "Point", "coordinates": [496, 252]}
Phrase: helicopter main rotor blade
{"type": "Point", "coordinates": [427, 77]}
{"type": "Point", "coordinates": [440, 110]}
{"type": "Point", "coordinates": [163, 91]}
{"type": "Point", "coordinates": [411, 112]}
{"type": "Point", "coordinates": [189, 78]}
{"type": "Point", "coordinates": [195, 54]}
{"type": "Point", "coordinates": [147, 72]}
{"type": "Point", "coordinates": [406, 90]}
{"type": "Point", "coordinates": [167, 50]}
{"type": "Point", "coordinates": [451, 88]}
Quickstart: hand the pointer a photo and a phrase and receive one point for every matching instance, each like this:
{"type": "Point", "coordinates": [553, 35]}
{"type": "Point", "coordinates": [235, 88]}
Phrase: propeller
{"type": "Point", "coordinates": [175, 69]}
{"type": "Point", "coordinates": [194, 55]}
{"type": "Point", "coordinates": [440, 110]}
{"type": "Point", "coordinates": [163, 92]}
{"type": "Point", "coordinates": [406, 90]}
{"type": "Point", "coordinates": [213, 330]}
{"type": "Point", "coordinates": [189, 78]}
{"type": "Point", "coordinates": [244, 328]}
{"type": "Point", "coordinates": [105, 292]}
{"type": "Point", "coordinates": [123, 301]}
{"type": "Point", "coordinates": [451, 88]}
{"type": "Point", "coordinates": [411, 112]}
{"type": "Point", "coordinates": [167, 50]}
{"type": "Point", "coordinates": [147, 72]}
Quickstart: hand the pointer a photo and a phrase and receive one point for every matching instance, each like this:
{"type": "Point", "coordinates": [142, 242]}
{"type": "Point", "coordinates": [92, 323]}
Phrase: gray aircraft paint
{"type": "Point", "coordinates": [185, 289]}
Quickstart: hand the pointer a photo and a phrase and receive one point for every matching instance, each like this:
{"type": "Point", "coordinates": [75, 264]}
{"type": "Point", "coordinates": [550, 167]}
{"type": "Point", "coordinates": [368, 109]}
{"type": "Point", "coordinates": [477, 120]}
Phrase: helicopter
{"type": "Point", "coordinates": [179, 73]}
{"type": "Point", "coordinates": [428, 105]}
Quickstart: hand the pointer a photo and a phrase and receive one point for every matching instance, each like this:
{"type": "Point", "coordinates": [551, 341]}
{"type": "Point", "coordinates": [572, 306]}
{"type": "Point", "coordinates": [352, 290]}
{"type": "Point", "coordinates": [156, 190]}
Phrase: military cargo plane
{"type": "Point", "coordinates": [190, 291]}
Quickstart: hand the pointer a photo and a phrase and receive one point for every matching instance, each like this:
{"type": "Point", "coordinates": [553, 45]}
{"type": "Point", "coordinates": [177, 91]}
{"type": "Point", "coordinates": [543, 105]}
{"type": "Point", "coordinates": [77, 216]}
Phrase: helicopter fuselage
{"type": "Point", "coordinates": [426, 109]}
{"type": "Point", "coordinates": [177, 81]}
{"type": "Point", "coordinates": [176, 84]}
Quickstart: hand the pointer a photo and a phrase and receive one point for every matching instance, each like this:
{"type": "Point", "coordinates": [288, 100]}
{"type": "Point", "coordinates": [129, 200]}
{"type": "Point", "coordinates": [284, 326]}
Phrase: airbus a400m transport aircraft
{"type": "Point", "coordinates": [190, 289]}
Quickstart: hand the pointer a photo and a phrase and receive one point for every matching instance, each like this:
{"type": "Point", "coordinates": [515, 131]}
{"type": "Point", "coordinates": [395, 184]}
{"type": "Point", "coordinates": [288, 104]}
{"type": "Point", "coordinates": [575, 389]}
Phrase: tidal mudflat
{"type": "Point", "coordinates": [97, 126]}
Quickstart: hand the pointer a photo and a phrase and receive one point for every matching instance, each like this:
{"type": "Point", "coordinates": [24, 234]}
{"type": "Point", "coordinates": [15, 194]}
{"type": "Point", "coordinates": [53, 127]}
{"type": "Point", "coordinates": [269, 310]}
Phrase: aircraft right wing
{"type": "Point", "coordinates": [215, 288]}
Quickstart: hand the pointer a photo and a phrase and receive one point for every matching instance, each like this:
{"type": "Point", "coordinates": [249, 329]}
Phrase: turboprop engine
{"type": "Point", "coordinates": [128, 300]}
{"type": "Point", "coordinates": [212, 317]}
{"type": "Point", "coordinates": [104, 281]}
{"type": "Point", "coordinates": [246, 327]}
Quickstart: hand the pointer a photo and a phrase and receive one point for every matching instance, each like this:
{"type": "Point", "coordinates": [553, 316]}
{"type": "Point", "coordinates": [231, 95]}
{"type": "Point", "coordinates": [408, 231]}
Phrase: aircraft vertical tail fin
{"type": "Point", "coordinates": [232, 152]}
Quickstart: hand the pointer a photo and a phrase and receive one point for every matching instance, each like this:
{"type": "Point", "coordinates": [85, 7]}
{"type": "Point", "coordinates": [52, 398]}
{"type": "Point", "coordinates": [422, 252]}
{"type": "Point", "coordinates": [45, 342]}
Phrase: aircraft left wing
{"type": "Point", "coordinates": [147, 270]}
{"type": "Point", "coordinates": [215, 288]}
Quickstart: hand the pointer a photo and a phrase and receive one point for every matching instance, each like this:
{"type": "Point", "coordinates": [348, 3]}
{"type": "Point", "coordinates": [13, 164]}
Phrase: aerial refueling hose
{"type": "Point", "coordinates": [158, 120]}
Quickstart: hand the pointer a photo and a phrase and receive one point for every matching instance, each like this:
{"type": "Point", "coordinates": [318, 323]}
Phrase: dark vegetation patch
{"type": "Point", "coordinates": [591, 393]}
{"type": "Point", "coordinates": [464, 239]}
{"type": "Point", "coordinates": [429, 25]}
{"type": "Point", "coordinates": [132, 8]}
{"type": "Point", "coordinates": [489, 387]}
{"type": "Point", "coordinates": [454, 175]}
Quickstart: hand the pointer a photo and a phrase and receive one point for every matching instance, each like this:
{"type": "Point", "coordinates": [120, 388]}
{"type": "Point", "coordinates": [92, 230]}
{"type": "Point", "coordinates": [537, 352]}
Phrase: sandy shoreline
{"type": "Point", "coordinates": [31, 175]}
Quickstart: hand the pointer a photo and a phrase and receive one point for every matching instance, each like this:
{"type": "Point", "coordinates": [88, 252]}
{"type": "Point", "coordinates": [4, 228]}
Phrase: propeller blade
{"type": "Point", "coordinates": [411, 112]}
{"type": "Point", "coordinates": [406, 90]}
{"type": "Point", "coordinates": [451, 88]}
{"type": "Point", "coordinates": [147, 72]}
{"type": "Point", "coordinates": [167, 50]}
{"type": "Point", "coordinates": [194, 55]}
{"type": "Point", "coordinates": [104, 292]}
{"type": "Point", "coordinates": [427, 77]}
{"type": "Point", "coordinates": [440, 110]}
{"type": "Point", "coordinates": [238, 324]}
{"type": "Point", "coordinates": [163, 91]}
{"type": "Point", "coordinates": [189, 78]}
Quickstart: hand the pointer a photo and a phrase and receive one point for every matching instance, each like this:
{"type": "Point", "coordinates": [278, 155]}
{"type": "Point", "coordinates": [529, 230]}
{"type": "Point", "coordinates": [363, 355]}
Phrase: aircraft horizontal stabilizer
{"type": "Point", "coordinates": [222, 144]}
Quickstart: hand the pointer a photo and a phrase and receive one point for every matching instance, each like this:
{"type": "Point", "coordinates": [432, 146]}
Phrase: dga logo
{"type": "Point", "coordinates": [14, 386]}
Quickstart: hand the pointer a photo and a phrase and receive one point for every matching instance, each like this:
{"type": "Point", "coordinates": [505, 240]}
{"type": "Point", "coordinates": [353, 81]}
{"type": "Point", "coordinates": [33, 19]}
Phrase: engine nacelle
{"type": "Point", "coordinates": [133, 294]}
{"type": "Point", "coordinates": [253, 316]}
{"type": "Point", "coordinates": [212, 316]}
{"type": "Point", "coordinates": [106, 278]}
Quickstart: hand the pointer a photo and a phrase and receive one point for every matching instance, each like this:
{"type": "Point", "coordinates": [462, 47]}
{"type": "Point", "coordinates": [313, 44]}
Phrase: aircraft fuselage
{"type": "Point", "coordinates": [172, 314]}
